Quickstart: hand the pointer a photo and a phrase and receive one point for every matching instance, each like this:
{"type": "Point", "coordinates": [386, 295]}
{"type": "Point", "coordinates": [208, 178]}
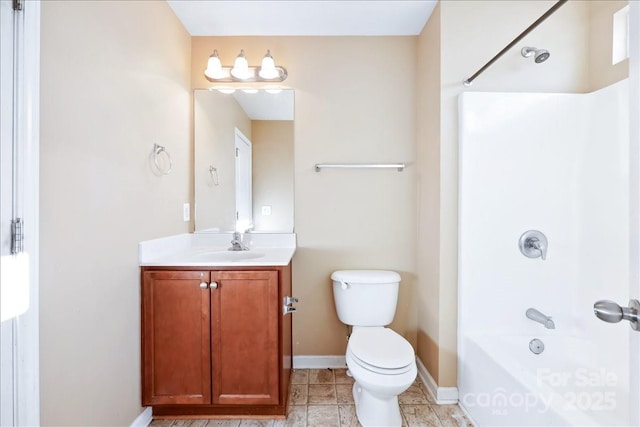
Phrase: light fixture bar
{"type": "Point", "coordinates": [253, 76]}
{"type": "Point", "coordinates": [242, 72]}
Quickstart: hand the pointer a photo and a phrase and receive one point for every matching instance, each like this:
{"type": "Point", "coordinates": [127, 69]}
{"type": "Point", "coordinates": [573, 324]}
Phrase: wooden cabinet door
{"type": "Point", "coordinates": [245, 313]}
{"type": "Point", "coordinates": [176, 322]}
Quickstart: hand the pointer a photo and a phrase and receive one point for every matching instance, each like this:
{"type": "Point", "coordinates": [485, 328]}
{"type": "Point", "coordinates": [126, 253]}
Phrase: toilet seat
{"type": "Point", "coordinates": [381, 350]}
{"type": "Point", "coordinates": [377, 370]}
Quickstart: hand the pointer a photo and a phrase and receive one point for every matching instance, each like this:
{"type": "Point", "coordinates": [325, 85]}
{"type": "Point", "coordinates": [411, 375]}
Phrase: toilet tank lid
{"type": "Point", "coordinates": [366, 276]}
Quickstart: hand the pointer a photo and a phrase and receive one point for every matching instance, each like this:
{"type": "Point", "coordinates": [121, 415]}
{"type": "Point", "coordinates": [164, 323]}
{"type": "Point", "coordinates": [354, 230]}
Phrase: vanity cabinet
{"type": "Point", "coordinates": [215, 341]}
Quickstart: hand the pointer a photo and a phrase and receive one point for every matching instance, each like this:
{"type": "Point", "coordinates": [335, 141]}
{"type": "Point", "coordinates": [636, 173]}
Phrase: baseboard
{"type": "Point", "coordinates": [442, 395]}
{"type": "Point", "coordinates": [144, 419]}
{"type": "Point", "coordinates": [319, 362]}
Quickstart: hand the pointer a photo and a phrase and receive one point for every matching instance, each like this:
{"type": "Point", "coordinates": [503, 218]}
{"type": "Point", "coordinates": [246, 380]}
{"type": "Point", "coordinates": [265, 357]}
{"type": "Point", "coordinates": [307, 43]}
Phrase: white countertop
{"type": "Point", "coordinates": [211, 250]}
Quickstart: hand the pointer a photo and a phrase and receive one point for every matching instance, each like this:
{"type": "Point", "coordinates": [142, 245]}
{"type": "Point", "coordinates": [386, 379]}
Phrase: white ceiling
{"type": "Point", "coordinates": [303, 17]}
{"type": "Point", "coordinates": [266, 106]}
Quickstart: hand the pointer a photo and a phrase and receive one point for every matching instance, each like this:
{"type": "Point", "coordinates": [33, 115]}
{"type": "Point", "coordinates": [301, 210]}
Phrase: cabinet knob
{"type": "Point", "coordinates": [214, 285]}
{"type": "Point", "coordinates": [204, 285]}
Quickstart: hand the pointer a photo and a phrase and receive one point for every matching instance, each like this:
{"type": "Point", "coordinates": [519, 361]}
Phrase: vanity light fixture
{"type": "Point", "coordinates": [240, 68]}
{"type": "Point", "coordinates": [268, 69]}
{"type": "Point", "coordinates": [214, 67]}
{"type": "Point", "coordinates": [242, 71]}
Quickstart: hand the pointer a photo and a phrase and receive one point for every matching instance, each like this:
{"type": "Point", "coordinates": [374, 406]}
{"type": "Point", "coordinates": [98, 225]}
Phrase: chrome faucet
{"type": "Point", "coordinates": [537, 316]}
{"type": "Point", "coordinates": [237, 244]}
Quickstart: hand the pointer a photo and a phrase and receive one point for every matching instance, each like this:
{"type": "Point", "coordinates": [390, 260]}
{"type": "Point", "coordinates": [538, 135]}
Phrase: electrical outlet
{"type": "Point", "coordinates": [186, 212]}
{"type": "Point", "coordinates": [266, 210]}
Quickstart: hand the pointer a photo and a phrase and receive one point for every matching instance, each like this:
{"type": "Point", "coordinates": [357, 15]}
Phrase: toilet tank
{"type": "Point", "coordinates": [365, 297]}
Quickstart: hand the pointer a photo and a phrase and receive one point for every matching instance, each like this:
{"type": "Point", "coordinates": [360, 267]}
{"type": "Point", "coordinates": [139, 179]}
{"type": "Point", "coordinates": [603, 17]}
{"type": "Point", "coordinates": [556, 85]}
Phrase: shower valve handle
{"type": "Point", "coordinates": [611, 312]}
{"type": "Point", "coordinates": [533, 244]}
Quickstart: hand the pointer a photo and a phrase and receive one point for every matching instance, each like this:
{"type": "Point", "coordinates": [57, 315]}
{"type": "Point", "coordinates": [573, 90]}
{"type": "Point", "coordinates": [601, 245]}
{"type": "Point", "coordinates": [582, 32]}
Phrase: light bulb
{"type": "Point", "coordinates": [214, 67]}
{"type": "Point", "coordinates": [241, 67]}
{"type": "Point", "coordinates": [268, 69]}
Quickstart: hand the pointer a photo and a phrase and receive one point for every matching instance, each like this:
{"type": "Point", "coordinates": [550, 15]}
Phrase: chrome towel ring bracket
{"type": "Point", "coordinates": [161, 164]}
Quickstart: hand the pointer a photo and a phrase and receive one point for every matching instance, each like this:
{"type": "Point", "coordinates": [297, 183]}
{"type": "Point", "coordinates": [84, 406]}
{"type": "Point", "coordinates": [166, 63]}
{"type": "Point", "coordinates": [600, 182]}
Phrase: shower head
{"type": "Point", "coordinates": [540, 55]}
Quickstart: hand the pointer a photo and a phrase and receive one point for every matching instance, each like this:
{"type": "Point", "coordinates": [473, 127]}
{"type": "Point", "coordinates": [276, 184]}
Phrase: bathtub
{"type": "Point", "coordinates": [566, 384]}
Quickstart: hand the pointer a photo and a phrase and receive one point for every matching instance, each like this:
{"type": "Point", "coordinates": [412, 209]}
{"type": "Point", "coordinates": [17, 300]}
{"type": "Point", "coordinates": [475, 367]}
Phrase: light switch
{"type": "Point", "coordinates": [266, 210]}
{"type": "Point", "coordinates": [186, 212]}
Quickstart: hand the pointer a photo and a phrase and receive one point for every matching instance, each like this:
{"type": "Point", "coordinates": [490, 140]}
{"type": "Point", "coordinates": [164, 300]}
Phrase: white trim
{"type": "Point", "coordinates": [144, 419]}
{"type": "Point", "coordinates": [442, 395]}
{"type": "Point", "coordinates": [28, 347]}
{"type": "Point", "coordinates": [319, 362]}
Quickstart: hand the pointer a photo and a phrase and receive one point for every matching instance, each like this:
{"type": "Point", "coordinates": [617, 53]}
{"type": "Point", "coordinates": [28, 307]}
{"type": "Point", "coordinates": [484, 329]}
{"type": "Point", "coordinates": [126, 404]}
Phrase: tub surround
{"type": "Point", "coordinates": [211, 250]}
{"type": "Point", "coordinates": [580, 200]}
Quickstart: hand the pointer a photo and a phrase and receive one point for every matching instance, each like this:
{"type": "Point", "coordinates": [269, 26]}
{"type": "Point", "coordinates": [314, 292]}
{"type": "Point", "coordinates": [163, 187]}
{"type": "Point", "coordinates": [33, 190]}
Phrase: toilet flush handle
{"type": "Point", "coordinates": [344, 286]}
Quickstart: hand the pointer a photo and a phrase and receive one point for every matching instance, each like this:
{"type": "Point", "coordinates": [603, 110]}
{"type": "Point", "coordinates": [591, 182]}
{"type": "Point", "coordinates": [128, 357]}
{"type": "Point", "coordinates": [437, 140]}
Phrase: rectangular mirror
{"type": "Point", "coordinates": [243, 167]}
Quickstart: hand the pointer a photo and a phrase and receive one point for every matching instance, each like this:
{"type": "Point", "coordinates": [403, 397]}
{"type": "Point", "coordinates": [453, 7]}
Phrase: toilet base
{"type": "Point", "coordinates": [373, 411]}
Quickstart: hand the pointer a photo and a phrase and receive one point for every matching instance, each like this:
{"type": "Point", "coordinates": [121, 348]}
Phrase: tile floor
{"type": "Point", "coordinates": [322, 397]}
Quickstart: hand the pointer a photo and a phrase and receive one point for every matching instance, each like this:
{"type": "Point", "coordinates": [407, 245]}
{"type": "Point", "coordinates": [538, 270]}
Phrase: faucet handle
{"type": "Point", "coordinates": [533, 244]}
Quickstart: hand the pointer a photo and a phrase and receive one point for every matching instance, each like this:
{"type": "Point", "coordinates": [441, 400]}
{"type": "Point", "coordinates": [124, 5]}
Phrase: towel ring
{"type": "Point", "coordinates": [157, 150]}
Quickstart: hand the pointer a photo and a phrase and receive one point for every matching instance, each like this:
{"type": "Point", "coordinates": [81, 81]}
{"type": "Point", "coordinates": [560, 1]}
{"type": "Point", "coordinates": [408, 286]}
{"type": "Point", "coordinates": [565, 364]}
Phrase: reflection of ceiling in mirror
{"type": "Point", "coordinates": [266, 106]}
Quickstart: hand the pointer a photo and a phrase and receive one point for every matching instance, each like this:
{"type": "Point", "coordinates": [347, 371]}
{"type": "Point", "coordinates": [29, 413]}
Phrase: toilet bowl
{"type": "Point", "coordinates": [383, 365]}
{"type": "Point", "coordinates": [381, 361]}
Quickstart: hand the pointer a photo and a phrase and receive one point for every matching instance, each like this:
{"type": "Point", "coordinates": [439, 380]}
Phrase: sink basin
{"type": "Point", "coordinates": [228, 256]}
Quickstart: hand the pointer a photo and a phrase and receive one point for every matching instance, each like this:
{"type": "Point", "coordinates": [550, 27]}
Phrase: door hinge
{"type": "Point", "coordinates": [237, 152]}
{"type": "Point", "coordinates": [17, 236]}
{"type": "Point", "coordinates": [18, 4]}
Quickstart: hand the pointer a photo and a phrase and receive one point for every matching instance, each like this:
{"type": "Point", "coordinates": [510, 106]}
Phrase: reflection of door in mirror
{"type": "Point", "coordinates": [244, 206]}
{"type": "Point", "coordinates": [265, 119]}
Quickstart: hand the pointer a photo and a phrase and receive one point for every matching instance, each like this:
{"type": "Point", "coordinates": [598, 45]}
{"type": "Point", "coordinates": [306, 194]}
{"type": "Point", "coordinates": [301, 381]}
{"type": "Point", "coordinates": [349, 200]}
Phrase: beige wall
{"type": "Point", "coordinates": [353, 104]}
{"type": "Point", "coordinates": [216, 117]}
{"type": "Point", "coordinates": [428, 157]}
{"type": "Point", "coordinates": [114, 81]}
{"type": "Point", "coordinates": [273, 142]}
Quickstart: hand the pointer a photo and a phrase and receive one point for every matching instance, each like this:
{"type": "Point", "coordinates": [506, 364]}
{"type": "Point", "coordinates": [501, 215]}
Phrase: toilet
{"type": "Point", "coordinates": [382, 362]}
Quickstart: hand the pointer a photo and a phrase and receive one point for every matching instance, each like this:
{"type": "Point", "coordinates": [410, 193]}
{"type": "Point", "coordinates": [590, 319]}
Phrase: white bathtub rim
{"type": "Point", "coordinates": [526, 380]}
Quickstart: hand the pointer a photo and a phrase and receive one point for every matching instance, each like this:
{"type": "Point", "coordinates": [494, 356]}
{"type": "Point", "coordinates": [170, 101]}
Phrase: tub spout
{"type": "Point", "coordinates": [537, 316]}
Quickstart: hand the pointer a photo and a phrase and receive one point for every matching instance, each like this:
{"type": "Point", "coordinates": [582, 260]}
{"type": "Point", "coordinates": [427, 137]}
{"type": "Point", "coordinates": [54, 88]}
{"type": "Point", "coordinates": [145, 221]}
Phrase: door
{"type": "Point", "coordinates": [245, 313]}
{"type": "Point", "coordinates": [176, 364]}
{"type": "Point", "coordinates": [19, 83]}
{"type": "Point", "coordinates": [634, 134]}
{"type": "Point", "coordinates": [244, 199]}
{"type": "Point", "coordinates": [7, 322]}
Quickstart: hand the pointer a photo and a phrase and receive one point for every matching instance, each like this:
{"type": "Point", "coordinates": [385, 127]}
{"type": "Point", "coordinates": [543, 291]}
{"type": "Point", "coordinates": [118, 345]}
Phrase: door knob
{"type": "Point", "coordinates": [214, 285]}
{"type": "Point", "coordinates": [204, 285]}
{"type": "Point", "coordinates": [611, 312]}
